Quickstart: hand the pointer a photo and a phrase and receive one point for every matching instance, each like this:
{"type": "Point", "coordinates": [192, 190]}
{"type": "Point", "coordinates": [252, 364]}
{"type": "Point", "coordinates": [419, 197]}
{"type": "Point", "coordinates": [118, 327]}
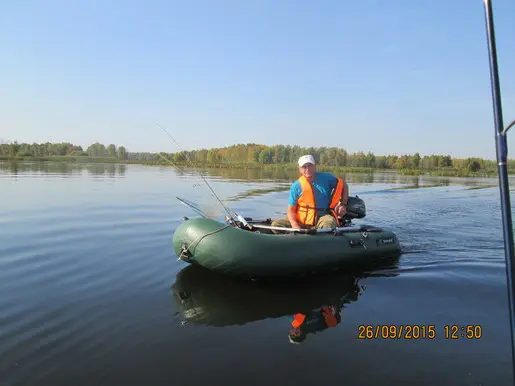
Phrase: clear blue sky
{"type": "Point", "coordinates": [391, 77]}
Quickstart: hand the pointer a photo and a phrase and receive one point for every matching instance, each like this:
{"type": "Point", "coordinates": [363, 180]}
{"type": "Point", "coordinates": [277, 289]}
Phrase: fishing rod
{"type": "Point", "coordinates": [502, 156]}
{"type": "Point", "coordinates": [174, 165]}
{"type": "Point", "coordinates": [232, 214]}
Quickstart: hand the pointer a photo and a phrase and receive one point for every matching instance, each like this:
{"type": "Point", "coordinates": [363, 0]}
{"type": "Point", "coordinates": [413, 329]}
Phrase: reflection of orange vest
{"type": "Point", "coordinates": [298, 319]}
{"type": "Point", "coordinates": [330, 318]}
{"type": "Point", "coordinates": [306, 205]}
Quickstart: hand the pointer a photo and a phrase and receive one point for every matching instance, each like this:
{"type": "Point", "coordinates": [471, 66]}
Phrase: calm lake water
{"type": "Point", "coordinates": [91, 292]}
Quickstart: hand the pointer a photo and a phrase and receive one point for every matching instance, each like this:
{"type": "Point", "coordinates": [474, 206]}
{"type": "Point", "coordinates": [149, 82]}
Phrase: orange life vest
{"type": "Point", "coordinates": [330, 318]}
{"type": "Point", "coordinates": [306, 205]}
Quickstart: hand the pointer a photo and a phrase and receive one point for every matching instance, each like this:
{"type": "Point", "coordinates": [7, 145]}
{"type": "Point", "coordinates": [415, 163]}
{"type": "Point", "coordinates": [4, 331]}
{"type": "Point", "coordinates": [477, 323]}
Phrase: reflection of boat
{"type": "Point", "coordinates": [205, 297]}
{"type": "Point", "coordinates": [250, 248]}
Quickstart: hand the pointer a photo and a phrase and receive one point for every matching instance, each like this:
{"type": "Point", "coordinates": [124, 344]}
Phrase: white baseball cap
{"type": "Point", "coordinates": [306, 159]}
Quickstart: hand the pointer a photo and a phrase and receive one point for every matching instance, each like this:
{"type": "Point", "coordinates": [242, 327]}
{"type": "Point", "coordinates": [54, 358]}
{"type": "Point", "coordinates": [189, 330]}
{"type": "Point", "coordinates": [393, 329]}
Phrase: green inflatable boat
{"type": "Point", "coordinates": [249, 248]}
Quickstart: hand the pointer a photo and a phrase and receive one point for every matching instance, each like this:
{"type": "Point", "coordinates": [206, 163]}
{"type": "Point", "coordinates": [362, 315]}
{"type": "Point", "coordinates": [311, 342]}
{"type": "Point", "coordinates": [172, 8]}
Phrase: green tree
{"type": "Point", "coordinates": [14, 148]}
{"type": "Point", "coordinates": [121, 153]}
{"type": "Point", "coordinates": [111, 150]}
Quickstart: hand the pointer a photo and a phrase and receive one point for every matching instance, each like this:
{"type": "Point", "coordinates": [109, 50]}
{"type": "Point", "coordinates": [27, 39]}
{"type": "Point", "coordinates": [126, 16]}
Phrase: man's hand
{"type": "Point", "coordinates": [293, 218]}
{"type": "Point", "coordinates": [341, 210]}
{"type": "Point", "coordinates": [295, 225]}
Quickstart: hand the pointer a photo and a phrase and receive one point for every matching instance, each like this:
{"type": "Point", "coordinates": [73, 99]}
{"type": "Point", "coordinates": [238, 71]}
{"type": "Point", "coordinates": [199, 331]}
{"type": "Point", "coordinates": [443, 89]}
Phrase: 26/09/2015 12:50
{"type": "Point", "coordinates": [418, 331]}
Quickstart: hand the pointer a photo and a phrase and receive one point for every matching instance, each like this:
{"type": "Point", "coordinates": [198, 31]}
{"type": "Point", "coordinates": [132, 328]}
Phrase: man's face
{"type": "Point", "coordinates": [307, 170]}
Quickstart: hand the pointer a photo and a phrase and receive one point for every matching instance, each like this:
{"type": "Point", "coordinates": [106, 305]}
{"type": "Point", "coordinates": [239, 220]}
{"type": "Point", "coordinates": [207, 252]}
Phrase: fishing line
{"type": "Point", "coordinates": [174, 165]}
{"type": "Point", "coordinates": [231, 213]}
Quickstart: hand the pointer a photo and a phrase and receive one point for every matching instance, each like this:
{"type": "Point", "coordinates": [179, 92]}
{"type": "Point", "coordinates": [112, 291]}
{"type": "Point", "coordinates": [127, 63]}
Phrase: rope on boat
{"type": "Point", "coordinates": [199, 239]}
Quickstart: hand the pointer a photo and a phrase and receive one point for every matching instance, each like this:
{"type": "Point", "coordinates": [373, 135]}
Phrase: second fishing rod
{"type": "Point", "coordinates": [232, 214]}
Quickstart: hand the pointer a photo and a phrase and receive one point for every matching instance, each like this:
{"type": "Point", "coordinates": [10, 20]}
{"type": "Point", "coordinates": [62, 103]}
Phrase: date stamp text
{"type": "Point", "coordinates": [419, 331]}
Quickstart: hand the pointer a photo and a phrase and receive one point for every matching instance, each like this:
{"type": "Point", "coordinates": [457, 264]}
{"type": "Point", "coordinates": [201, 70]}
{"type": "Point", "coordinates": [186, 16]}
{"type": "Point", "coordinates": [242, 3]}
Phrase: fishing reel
{"type": "Point", "coordinates": [239, 222]}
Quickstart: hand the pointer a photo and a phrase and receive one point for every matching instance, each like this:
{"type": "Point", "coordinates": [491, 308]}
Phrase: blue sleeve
{"type": "Point", "coordinates": [294, 193]}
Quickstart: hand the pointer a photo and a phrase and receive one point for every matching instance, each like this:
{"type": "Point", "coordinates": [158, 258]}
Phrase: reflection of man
{"type": "Point", "coordinates": [314, 321]}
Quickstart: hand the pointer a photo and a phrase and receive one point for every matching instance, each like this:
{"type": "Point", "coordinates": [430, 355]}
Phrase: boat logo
{"type": "Point", "coordinates": [385, 241]}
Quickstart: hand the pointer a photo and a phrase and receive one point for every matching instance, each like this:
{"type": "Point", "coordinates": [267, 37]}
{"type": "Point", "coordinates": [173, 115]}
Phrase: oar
{"type": "Point", "coordinates": [356, 228]}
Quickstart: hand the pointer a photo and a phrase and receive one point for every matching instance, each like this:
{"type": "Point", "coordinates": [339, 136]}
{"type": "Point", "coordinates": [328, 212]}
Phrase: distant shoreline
{"type": "Point", "coordinates": [444, 171]}
{"type": "Point", "coordinates": [253, 156]}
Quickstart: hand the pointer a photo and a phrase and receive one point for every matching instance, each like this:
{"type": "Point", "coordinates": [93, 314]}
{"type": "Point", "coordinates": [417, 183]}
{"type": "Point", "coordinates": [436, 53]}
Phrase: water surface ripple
{"type": "Point", "coordinates": [91, 292]}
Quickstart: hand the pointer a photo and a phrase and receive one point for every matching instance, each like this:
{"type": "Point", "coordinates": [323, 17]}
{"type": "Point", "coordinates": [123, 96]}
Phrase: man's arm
{"type": "Point", "coordinates": [292, 205]}
{"type": "Point", "coordinates": [342, 209]}
{"type": "Point", "coordinates": [292, 217]}
{"type": "Point", "coordinates": [345, 193]}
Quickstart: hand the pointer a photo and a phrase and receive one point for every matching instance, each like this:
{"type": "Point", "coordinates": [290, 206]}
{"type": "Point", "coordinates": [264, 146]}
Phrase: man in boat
{"type": "Point", "coordinates": [317, 200]}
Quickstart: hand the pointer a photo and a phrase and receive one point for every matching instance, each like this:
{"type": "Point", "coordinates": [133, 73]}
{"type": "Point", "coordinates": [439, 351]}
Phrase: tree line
{"type": "Point", "coordinates": [331, 156]}
{"type": "Point", "coordinates": [257, 154]}
{"type": "Point", "coordinates": [47, 149]}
